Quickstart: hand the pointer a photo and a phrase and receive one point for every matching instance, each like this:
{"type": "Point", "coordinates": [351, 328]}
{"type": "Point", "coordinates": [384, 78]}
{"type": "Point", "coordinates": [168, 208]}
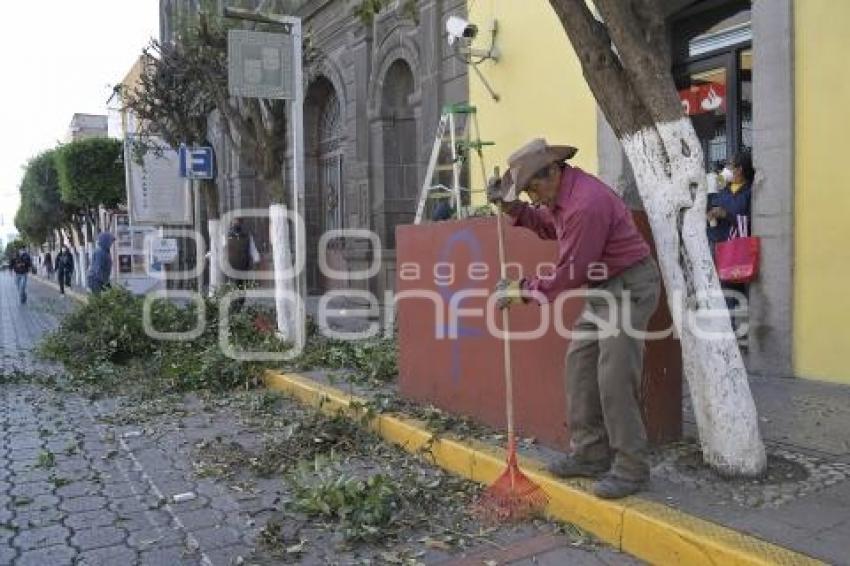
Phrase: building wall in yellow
{"type": "Point", "coordinates": [822, 192]}
{"type": "Point", "coordinates": [539, 81]}
{"type": "Point", "coordinates": [543, 93]}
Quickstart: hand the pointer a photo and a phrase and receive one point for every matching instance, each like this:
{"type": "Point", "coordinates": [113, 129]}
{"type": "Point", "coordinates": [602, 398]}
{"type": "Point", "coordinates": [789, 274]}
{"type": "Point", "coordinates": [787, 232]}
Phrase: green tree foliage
{"type": "Point", "coordinates": [12, 248]}
{"type": "Point", "coordinates": [105, 341]}
{"type": "Point", "coordinates": [26, 223]}
{"type": "Point", "coordinates": [91, 172]}
{"type": "Point", "coordinates": [42, 209]}
{"type": "Point", "coordinates": [171, 100]}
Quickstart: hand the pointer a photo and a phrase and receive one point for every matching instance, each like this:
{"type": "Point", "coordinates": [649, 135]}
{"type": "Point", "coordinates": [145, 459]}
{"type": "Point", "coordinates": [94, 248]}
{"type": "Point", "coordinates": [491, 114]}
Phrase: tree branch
{"type": "Point", "coordinates": [602, 68]}
{"type": "Point", "coordinates": [638, 30]}
{"type": "Point", "coordinates": [268, 116]}
{"type": "Point", "coordinates": [252, 105]}
{"type": "Point", "coordinates": [231, 115]}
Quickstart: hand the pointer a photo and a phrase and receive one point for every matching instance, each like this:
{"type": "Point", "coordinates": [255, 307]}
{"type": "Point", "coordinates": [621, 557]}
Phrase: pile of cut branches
{"type": "Point", "coordinates": [106, 347]}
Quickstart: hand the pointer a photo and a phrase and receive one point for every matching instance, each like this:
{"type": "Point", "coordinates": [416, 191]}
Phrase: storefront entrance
{"type": "Point", "coordinates": [713, 74]}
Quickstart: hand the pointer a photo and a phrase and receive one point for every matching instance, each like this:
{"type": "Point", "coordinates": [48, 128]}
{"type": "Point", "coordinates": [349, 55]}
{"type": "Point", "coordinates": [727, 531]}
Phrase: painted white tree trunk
{"type": "Point", "coordinates": [88, 252]}
{"type": "Point", "coordinates": [216, 273]}
{"type": "Point", "coordinates": [79, 263]}
{"type": "Point", "coordinates": [284, 281]}
{"type": "Point", "coordinates": [675, 201]}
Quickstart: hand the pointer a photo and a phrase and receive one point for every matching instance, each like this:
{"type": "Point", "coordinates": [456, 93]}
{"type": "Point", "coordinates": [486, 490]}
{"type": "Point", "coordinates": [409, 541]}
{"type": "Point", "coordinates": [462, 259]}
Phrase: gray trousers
{"type": "Point", "coordinates": [604, 368]}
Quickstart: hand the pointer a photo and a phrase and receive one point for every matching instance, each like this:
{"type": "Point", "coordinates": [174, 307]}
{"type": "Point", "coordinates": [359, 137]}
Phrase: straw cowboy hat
{"type": "Point", "coordinates": [528, 160]}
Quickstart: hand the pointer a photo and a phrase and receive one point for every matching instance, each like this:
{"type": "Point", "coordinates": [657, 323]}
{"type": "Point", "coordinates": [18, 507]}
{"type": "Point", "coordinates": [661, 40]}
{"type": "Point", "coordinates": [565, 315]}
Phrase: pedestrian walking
{"type": "Point", "coordinates": [242, 256]}
{"type": "Point", "coordinates": [100, 271]}
{"type": "Point", "coordinates": [64, 268]}
{"type": "Point", "coordinates": [48, 265]}
{"type": "Point", "coordinates": [21, 265]}
{"type": "Point", "coordinates": [599, 246]}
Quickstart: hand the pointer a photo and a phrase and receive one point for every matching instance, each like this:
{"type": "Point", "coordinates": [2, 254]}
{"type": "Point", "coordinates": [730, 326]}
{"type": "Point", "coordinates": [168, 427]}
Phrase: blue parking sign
{"type": "Point", "coordinates": [197, 162]}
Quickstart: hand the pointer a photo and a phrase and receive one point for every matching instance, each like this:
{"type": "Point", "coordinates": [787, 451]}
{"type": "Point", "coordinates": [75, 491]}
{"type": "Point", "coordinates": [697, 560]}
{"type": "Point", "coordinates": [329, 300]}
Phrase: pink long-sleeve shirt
{"type": "Point", "coordinates": [597, 237]}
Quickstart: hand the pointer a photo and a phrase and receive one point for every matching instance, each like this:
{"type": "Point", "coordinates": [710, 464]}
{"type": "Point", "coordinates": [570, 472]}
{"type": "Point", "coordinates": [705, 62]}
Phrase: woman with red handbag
{"type": "Point", "coordinates": [730, 215]}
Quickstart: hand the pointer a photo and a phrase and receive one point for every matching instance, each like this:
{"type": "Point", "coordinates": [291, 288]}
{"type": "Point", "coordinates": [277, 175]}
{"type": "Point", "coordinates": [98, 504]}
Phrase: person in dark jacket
{"type": "Point", "coordinates": [64, 268]}
{"type": "Point", "coordinates": [242, 255]}
{"type": "Point", "coordinates": [21, 265]}
{"type": "Point", "coordinates": [733, 203]}
{"type": "Point", "coordinates": [101, 264]}
{"type": "Point", "coordinates": [733, 200]}
{"type": "Point", "coordinates": [48, 264]}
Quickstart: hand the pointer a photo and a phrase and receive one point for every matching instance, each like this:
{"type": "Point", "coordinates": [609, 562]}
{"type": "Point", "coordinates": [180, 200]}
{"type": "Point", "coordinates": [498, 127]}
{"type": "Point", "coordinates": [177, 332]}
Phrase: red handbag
{"type": "Point", "coordinates": [737, 258]}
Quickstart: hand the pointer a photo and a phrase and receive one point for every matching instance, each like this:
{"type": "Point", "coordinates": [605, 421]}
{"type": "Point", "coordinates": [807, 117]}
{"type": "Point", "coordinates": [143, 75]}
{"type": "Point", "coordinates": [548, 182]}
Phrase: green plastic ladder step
{"type": "Point", "coordinates": [460, 108]}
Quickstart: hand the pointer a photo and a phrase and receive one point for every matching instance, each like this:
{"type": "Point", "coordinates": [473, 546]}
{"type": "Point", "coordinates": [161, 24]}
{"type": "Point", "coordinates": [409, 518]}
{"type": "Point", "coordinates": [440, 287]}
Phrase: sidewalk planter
{"type": "Point", "coordinates": [445, 271]}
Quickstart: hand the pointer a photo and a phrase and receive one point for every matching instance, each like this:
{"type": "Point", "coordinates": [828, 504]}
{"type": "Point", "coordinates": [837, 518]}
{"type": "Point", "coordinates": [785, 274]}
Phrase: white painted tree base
{"type": "Point", "coordinates": [673, 189]}
{"type": "Point", "coordinates": [85, 253]}
{"type": "Point", "coordinates": [78, 252]}
{"type": "Point", "coordinates": [288, 312]}
{"type": "Point", "coordinates": [216, 273]}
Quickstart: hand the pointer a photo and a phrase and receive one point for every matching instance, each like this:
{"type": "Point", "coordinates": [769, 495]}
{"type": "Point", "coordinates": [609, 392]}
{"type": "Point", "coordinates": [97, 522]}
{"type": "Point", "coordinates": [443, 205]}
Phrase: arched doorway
{"type": "Point", "coordinates": [400, 150]}
{"type": "Point", "coordinates": [324, 180]}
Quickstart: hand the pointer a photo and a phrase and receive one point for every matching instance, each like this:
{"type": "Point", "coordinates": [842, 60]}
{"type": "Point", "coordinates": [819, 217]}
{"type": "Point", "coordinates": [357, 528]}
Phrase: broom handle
{"type": "Point", "coordinates": [509, 385]}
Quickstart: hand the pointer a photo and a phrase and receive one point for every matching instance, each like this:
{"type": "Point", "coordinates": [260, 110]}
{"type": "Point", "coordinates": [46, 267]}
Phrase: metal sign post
{"type": "Point", "coordinates": [296, 108]}
{"type": "Point", "coordinates": [269, 65]}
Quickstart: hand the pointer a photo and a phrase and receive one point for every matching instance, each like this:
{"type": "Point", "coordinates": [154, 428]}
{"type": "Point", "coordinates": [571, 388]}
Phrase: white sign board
{"type": "Point", "coordinates": [131, 263]}
{"type": "Point", "coordinates": [156, 194]}
{"type": "Point", "coordinates": [261, 64]}
{"type": "Point", "coordinates": [164, 250]}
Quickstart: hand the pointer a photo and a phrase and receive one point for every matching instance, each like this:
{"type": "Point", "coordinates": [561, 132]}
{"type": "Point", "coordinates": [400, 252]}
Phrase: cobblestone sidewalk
{"type": "Point", "coordinates": [117, 482]}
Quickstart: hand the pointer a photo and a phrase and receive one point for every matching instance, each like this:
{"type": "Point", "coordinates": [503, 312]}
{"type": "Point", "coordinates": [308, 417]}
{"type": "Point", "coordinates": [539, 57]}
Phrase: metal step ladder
{"type": "Point", "coordinates": [457, 135]}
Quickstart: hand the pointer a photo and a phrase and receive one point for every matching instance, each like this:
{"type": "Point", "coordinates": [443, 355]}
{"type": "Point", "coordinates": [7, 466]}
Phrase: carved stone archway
{"type": "Point", "coordinates": [324, 135]}
{"type": "Point", "coordinates": [399, 140]}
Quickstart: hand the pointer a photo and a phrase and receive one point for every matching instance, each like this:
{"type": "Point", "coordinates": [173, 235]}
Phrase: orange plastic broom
{"type": "Point", "coordinates": [513, 496]}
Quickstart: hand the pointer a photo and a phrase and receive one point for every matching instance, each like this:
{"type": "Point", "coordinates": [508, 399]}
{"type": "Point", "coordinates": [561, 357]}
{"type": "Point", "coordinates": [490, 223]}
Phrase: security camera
{"type": "Point", "coordinates": [461, 33]}
{"type": "Point", "coordinates": [458, 28]}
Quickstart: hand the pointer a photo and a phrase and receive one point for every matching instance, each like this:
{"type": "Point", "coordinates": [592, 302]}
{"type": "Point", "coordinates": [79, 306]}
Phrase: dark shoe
{"type": "Point", "coordinates": [615, 487]}
{"type": "Point", "coordinates": [570, 467]}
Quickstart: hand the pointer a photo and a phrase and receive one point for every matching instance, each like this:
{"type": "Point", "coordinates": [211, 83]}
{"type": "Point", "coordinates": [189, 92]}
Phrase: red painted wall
{"type": "Point", "coordinates": [465, 375]}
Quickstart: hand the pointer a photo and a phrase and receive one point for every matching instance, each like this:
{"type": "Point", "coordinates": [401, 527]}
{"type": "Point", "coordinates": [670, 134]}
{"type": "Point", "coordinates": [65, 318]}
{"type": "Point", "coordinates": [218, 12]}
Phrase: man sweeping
{"type": "Point", "coordinates": [598, 247]}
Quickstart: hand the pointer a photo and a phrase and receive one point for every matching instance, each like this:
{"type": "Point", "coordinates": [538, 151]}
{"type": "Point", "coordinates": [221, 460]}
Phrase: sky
{"type": "Point", "coordinates": [60, 57]}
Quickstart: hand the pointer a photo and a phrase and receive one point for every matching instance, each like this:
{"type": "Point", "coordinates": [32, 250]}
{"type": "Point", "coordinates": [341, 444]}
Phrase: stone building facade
{"type": "Point", "coordinates": [373, 97]}
{"type": "Point", "coordinates": [85, 126]}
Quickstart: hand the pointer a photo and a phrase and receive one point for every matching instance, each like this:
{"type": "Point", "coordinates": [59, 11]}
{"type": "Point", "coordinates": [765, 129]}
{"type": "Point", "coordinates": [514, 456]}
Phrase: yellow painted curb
{"type": "Point", "coordinates": [79, 297]}
{"type": "Point", "coordinates": [645, 529]}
